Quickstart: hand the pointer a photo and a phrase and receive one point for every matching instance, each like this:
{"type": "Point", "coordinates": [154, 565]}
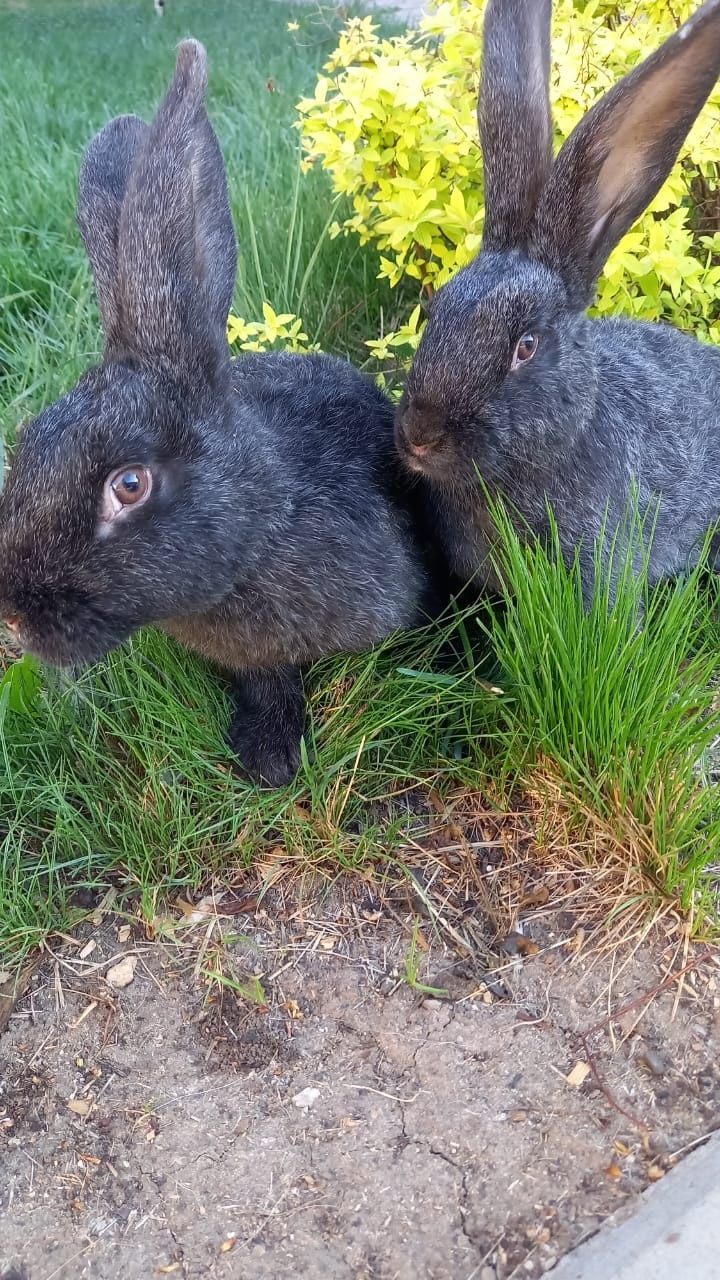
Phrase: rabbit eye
{"type": "Point", "coordinates": [131, 486]}
{"type": "Point", "coordinates": [524, 350]}
{"type": "Point", "coordinates": [128, 487]}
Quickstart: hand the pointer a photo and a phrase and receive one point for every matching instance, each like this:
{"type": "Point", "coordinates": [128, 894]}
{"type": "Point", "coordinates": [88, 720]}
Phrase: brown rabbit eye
{"type": "Point", "coordinates": [127, 487]}
{"type": "Point", "coordinates": [131, 486]}
{"type": "Point", "coordinates": [525, 349]}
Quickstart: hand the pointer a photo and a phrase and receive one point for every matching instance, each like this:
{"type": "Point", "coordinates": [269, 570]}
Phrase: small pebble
{"type": "Point", "coordinates": [306, 1098]}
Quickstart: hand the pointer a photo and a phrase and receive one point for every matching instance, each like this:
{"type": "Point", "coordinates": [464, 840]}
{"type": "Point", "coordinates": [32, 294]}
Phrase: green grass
{"type": "Point", "coordinates": [124, 774]}
{"type": "Point", "coordinates": [121, 777]}
{"type": "Point", "coordinates": [622, 713]}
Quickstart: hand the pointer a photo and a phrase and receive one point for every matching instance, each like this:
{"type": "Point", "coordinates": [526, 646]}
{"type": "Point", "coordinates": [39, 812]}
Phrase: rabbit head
{"type": "Point", "coordinates": [124, 478]}
{"type": "Point", "coordinates": [502, 368]}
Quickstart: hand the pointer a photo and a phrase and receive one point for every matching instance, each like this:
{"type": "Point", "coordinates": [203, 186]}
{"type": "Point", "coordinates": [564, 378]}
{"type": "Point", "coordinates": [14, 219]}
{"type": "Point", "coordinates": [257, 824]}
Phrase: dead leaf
{"type": "Point", "coordinates": [293, 1009]}
{"type": "Point", "coordinates": [124, 932]}
{"type": "Point", "coordinates": [517, 944]}
{"type": "Point", "coordinates": [167, 1271]}
{"type": "Point", "coordinates": [87, 950]}
{"type": "Point", "coordinates": [87, 1159]}
{"type": "Point", "coordinates": [200, 911]}
{"type": "Point", "coordinates": [537, 898]}
{"type": "Point", "coordinates": [526, 947]}
{"type": "Point", "coordinates": [655, 1172]}
{"type": "Point", "coordinates": [575, 942]}
{"type": "Point", "coordinates": [436, 801]}
{"type": "Point", "coordinates": [228, 1244]}
{"type": "Point", "coordinates": [614, 1171]}
{"type": "Point", "coordinates": [80, 1106]}
{"type": "Point", "coordinates": [579, 1074]}
{"type": "Point", "coordinates": [104, 906]}
{"type": "Point", "coordinates": [242, 906]}
{"type": "Point", "coordinates": [622, 1148]}
{"type": "Point", "coordinates": [151, 1128]}
{"type": "Point", "coordinates": [122, 974]}
{"type": "Point", "coordinates": [490, 688]}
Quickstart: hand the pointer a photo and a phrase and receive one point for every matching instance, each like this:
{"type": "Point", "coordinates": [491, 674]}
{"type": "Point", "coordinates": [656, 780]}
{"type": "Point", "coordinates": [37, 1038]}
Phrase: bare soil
{"type": "Point", "coordinates": [333, 1119]}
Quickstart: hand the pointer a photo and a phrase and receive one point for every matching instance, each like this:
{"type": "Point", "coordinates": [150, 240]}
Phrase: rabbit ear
{"type": "Point", "coordinates": [617, 158]}
{"type": "Point", "coordinates": [176, 246]}
{"type": "Point", "coordinates": [104, 177]}
{"type": "Point", "coordinates": [514, 116]}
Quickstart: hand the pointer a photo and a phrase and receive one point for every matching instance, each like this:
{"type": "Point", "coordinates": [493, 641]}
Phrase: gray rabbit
{"type": "Point", "coordinates": [253, 508]}
{"type": "Point", "coordinates": [512, 382]}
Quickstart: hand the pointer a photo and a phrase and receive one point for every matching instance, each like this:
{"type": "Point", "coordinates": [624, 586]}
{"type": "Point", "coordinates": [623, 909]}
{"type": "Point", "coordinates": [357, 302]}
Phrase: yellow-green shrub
{"type": "Point", "coordinates": [273, 333]}
{"type": "Point", "coordinates": [393, 121]}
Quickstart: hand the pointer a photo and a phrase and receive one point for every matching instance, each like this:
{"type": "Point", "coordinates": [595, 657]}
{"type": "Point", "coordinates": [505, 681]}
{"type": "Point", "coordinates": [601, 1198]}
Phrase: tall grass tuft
{"type": "Point", "coordinates": [615, 698]}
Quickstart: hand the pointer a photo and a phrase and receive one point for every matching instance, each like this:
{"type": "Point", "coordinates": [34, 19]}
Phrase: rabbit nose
{"type": "Point", "coordinates": [12, 622]}
{"type": "Point", "coordinates": [418, 437]}
{"type": "Point", "coordinates": [420, 430]}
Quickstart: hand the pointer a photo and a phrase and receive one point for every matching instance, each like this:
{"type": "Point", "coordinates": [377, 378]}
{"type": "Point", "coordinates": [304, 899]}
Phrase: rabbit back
{"type": "Point", "coordinates": [341, 565]}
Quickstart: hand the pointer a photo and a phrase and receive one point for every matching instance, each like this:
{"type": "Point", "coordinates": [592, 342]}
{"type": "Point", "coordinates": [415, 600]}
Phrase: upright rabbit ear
{"type": "Point", "coordinates": [176, 246]}
{"type": "Point", "coordinates": [617, 158]}
{"type": "Point", "coordinates": [104, 178]}
{"type": "Point", "coordinates": [514, 116]}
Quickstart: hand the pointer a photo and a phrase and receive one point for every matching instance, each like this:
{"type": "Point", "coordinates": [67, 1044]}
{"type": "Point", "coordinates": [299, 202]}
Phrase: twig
{"type": "Point", "coordinates": [696, 1142]}
{"type": "Point", "coordinates": [605, 1091]}
{"type": "Point", "coordinates": [366, 1088]}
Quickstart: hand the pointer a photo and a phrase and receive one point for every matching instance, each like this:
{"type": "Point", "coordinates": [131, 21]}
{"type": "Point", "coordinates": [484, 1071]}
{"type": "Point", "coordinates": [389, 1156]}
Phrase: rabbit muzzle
{"type": "Point", "coordinates": [420, 432]}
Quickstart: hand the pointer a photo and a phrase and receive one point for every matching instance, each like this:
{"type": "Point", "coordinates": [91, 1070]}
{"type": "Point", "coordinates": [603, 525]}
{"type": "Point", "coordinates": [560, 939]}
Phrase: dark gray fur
{"type": "Point", "coordinates": [278, 530]}
{"type": "Point", "coordinates": [605, 406]}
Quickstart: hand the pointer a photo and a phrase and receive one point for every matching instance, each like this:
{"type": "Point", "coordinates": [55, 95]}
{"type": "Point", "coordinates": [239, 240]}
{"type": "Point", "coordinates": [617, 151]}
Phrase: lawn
{"type": "Point", "coordinates": [120, 777]}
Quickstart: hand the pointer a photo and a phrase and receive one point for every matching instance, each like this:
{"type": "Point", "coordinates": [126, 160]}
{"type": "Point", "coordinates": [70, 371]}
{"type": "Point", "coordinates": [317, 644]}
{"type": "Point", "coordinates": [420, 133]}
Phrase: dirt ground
{"type": "Point", "coordinates": [325, 1116]}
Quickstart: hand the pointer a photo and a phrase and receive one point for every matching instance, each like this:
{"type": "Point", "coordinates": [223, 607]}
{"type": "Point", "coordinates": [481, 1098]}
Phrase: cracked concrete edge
{"type": "Point", "coordinates": [673, 1229]}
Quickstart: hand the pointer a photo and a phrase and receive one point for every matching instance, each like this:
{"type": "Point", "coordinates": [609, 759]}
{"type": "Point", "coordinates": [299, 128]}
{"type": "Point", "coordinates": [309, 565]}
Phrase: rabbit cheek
{"type": "Point", "coordinates": [50, 638]}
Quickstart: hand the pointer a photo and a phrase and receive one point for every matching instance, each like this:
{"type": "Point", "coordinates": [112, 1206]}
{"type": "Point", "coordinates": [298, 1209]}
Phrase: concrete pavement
{"type": "Point", "coordinates": [672, 1233]}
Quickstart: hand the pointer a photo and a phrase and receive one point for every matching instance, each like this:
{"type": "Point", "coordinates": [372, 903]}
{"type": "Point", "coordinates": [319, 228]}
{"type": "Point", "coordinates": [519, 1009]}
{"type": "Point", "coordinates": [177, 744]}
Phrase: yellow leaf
{"type": "Point", "coordinates": [80, 1106]}
{"type": "Point", "coordinates": [579, 1074]}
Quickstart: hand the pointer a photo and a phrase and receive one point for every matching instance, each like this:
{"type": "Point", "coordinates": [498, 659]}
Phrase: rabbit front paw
{"type": "Point", "coordinates": [271, 761]}
{"type": "Point", "coordinates": [268, 724]}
